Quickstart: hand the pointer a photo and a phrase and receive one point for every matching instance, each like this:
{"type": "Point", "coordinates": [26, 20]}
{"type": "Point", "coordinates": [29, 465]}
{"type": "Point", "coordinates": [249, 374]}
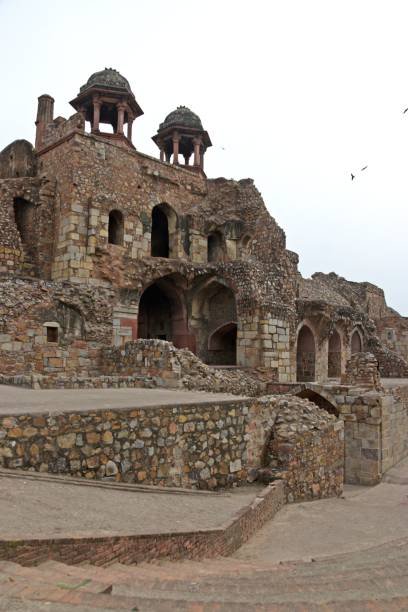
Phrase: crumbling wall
{"type": "Point", "coordinates": [305, 449]}
{"type": "Point", "coordinates": [362, 370]}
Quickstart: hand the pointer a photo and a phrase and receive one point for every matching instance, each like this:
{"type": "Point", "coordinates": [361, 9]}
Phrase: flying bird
{"type": "Point", "coordinates": [364, 168]}
{"type": "Point", "coordinates": [405, 110]}
{"type": "Point", "coordinates": [352, 176]}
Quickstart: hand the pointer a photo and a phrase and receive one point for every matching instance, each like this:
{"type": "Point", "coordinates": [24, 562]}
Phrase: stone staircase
{"type": "Point", "coordinates": [371, 580]}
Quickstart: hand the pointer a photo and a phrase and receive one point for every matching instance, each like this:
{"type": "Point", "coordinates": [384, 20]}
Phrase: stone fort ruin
{"type": "Point", "coordinates": [120, 269]}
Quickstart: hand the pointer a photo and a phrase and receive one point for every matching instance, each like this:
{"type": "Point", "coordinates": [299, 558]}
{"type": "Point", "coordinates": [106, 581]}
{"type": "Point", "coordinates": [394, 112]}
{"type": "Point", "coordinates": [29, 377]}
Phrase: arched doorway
{"type": "Point", "coordinates": [163, 314]}
{"type": "Point", "coordinates": [305, 355]}
{"type": "Point", "coordinates": [222, 345]}
{"type": "Point", "coordinates": [164, 231]}
{"type": "Point", "coordinates": [214, 320]}
{"type": "Point", "coordinates": [334, 356]}
{"type": "Point", "coordinates": [356, 343]}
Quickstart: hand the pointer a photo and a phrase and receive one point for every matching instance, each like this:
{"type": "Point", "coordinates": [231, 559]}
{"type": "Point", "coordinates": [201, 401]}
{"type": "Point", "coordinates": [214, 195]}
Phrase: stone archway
{"type": "Point", "coordinates": [214, 321]}
{"type": "Point", "coordinates": [222, 345]}
{"type": "Point", "coordinates": [163, 314]}
{"type": "Point", "coordinates": [305, 355]}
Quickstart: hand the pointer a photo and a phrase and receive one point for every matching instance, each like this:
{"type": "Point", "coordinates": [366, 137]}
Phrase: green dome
{"type": "Point", "coordinates": [184, 117]}
{"type": "Point", "coordinates": [108, 79]}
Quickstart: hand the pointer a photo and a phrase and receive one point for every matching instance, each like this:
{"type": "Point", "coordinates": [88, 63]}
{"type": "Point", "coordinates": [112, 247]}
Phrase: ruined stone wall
{"type": "Point", "coordinates": [205, 445]}
{"type": "Point", "coordinates": [393, 333]}
{"type": "Point", "coordinates": [82, 319]}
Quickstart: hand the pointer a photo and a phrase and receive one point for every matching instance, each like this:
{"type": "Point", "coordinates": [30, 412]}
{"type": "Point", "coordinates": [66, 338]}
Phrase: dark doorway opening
{"type": "Point", "coordinates": [160, 233]}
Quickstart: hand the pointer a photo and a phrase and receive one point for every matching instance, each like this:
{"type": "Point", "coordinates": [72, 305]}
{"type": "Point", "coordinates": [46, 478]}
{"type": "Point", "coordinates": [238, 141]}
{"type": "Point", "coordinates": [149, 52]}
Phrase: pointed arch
{"type": "Point", "coordinates": [356, 341]}
{"type": "Point", "coordinates": [334, 355]}
{"type": "Point", "coordinates": [305, 354]}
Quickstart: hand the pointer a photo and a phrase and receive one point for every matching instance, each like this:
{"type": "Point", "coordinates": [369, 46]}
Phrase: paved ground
{"type": "Point", "coordinates": [15, 400]}
{"type": "Point", "coordinates": [362, 518]}
{"type": "Point", "coordinates": [31, 507]}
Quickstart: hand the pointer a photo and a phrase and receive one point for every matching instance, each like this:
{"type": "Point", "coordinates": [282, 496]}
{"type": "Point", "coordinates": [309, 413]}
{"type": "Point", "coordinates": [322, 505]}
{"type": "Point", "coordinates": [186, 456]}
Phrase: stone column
{"type": "Point", "coordinates": [121, 116]}
{"type": "Point", "coordinates": [96, 114]}
{"type": "Point", "coordinates": [197, 145]}
{"type": "Point", "coordinates": [176, 141]}
{"type": "Point", "coordinates": [129, 127]}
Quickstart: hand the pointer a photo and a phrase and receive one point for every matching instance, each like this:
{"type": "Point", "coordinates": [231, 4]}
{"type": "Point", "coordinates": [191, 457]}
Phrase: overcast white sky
{"type": "Point", "coordinates": [295, 94]}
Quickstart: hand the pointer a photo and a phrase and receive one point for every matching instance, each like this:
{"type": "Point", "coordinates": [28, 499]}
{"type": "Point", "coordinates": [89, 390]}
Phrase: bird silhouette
{"type": "Point", "coordinates": [405, 110]}
{"type": "Point", "coordinates": [364, 168]}
{"type": "Point", "coordinates": [352, 176]}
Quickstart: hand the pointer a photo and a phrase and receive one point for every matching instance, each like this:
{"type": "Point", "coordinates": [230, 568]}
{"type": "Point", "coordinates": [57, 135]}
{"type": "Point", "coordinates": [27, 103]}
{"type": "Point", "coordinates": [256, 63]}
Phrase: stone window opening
{"type": "Point", "coordinates": [356, 342]}
{"type": "Point", "coordinates": [305, 355]}
{"type": "Point", "coordinates": [164, 232]}
{"type": "Point", "coordinates": [215, 248]}
{"type": "Point", "coordinates": [52, 332]}
{"type": "Point", "coordinates": [24, 218]}
{"type": "Point", "coordinates": [115, 228]}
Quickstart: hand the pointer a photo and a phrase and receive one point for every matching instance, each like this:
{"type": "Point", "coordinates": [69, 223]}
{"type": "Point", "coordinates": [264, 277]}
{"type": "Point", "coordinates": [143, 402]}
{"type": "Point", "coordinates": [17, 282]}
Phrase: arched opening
{"type": "Point", "coordinates": [115, 227]}
{"type": "Point", "coordinates": [222, 345]}
{"type": "Point", "coordinates": [155, 316]}
{"type": "Point", "coordinates": [214, 320]}
{"type": "Point", "coordinates": [215, 248]}
{"type": "Point", "coordinates": [319, 400]}
{"type": "Point", "coordinates": [356, 343]}
{"type": "Point", "coordinates": [163, 315]}
{"type": "Point", "coordinates": [334, 355]}
{"type": "Point", "coordinates": [164, 231]}
{"type": "Point", "coordinates": [246, 245]}
{"type": "Point", "coordinates": [24, 218]}
{"type": "Point", "coordinates": [305, 355]}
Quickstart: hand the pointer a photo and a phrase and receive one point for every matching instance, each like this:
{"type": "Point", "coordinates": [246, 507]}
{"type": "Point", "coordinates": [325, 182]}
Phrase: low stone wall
{"type": "Point", "coordinates": [206, 543]}
{"type": "Point", "coordinates": [198, 445]}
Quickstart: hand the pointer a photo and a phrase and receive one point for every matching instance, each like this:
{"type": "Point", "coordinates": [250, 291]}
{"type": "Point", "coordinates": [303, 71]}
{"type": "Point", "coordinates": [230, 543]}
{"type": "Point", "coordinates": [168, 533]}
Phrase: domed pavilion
{"type": "Point", "coordinates": [182, 133]}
